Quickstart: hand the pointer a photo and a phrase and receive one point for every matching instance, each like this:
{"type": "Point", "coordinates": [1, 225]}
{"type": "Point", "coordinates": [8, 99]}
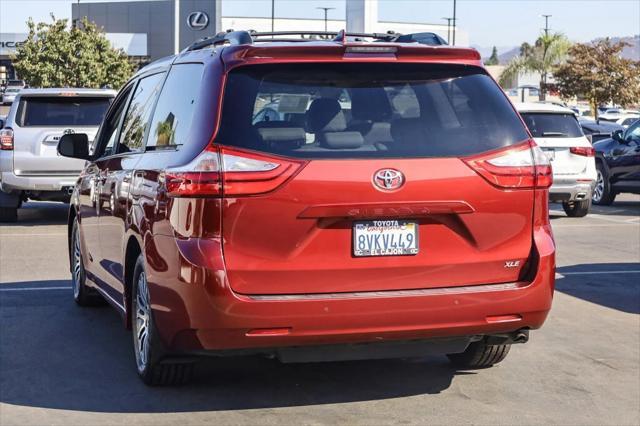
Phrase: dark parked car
{"type": "Point", "coordinates": [598, 130]}
{"type": "Point", "coordinates": [618, 165]}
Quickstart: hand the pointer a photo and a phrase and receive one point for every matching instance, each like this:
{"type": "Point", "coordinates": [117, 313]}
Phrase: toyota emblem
{"type": "Point", "coordinates": [198, 20]}
{"type": "Point", "coordinates": [388, 179]}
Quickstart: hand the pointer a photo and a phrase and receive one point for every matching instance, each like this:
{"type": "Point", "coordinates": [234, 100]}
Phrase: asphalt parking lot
{"type": "Point", "coordinates": [60, 364]}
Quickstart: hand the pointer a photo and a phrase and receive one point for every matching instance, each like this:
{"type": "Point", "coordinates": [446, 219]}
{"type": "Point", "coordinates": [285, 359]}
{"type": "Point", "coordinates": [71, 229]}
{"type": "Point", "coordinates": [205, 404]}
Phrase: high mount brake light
{"type": "Point", "coordinates": [6, 139]}
{"type": "Point", "coordinates": [222, 171]}
{"type": "Point", "coordinates": [371, 49]}
{"type": "Point", "coordinates": [585, 151]}
{"type": "Point", "coordinates": [523, 166]}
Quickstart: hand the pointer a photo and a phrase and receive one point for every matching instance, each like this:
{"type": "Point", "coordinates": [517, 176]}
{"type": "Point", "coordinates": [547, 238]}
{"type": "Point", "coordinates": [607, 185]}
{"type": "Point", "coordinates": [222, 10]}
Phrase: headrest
{"type": "Point", "coordinates": [342, 140]}
{"type": "Point", "coordinates": [325, 115]}
{"type": "Point", "coordinates": [272, 124]}
{"type": "Point", "coordinates": [283, 136]}
{"type": "Point", "coordinates": [370, 104]}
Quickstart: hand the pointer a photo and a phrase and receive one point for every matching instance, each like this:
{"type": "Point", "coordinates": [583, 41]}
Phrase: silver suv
{"type": "Point", "coordinates": [30, 167]}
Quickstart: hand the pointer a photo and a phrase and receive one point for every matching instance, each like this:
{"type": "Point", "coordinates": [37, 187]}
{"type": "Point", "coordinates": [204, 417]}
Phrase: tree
{"type": "Point", "coordinates": [543, 57]}
{"type": "Point", "coordinates": [56, 56]}
{"type": "Point", "coordinates": [597, 72]}
{"type": "Point", "coordinates": [493, 59]}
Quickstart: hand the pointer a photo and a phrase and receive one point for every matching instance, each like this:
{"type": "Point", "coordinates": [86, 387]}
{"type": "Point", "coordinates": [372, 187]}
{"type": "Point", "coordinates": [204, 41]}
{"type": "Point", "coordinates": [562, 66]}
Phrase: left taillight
{"type": "Point", "coordinates": [523, 166]}
{"type": "Point", "coordinates": [6, 139]}
{"type": "Point", "coordinates": [221, 172]}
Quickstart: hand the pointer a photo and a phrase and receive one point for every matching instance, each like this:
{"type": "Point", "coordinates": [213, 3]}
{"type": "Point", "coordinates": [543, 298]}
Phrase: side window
{"type": "Point", "coordinates": [633, 133]}
{"type": "Point", "coordinates": [106, 140]}
{"type": "Point", "coordinates": [173, 114]}
{"type": "Point", "coordinates": [138, 115]}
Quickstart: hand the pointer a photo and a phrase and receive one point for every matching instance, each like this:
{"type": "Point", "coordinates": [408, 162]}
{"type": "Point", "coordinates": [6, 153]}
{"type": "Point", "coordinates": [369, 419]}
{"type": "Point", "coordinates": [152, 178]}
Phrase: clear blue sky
{"type": "Point", "coordinates": [488, 22]}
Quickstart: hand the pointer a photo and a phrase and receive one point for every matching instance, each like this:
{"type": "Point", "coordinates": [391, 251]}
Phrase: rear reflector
{"type": "Point", "coordinates": [522, 166]}
{"type": "Point", "coordinates": [6, 139]}
{"type": "Point", "coordinates": [585, 151]}
{"type": "Point", "coordinates": [222, 171]}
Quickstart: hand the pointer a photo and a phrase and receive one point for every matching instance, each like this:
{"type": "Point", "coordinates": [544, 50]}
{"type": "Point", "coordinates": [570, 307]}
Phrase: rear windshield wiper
{"type": "Point", "coordinates": [552, 134]}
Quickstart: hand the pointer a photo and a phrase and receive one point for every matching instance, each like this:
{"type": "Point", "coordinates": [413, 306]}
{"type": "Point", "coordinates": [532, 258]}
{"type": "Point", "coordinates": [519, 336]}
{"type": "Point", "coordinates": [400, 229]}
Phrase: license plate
{"type": "Point", "coordinates": [385, 238]}
{"type": "Point", "coordinates": [551, 154]}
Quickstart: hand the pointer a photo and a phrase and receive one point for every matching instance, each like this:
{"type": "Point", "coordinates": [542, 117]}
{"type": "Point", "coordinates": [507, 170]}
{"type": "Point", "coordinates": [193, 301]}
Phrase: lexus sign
{"type": "Point", "coordinates": [198, 20]}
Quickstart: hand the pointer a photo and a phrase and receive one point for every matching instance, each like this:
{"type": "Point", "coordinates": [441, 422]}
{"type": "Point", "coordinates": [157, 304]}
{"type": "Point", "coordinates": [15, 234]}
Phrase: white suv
{"type": "Point", "coordinates": [557, 131]}
{"type": "Point", "coordinates": [30, 167]}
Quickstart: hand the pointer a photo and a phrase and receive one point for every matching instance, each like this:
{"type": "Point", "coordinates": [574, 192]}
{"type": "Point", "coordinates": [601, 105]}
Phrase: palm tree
{"type": "Point", "coordinates": [546, 54]}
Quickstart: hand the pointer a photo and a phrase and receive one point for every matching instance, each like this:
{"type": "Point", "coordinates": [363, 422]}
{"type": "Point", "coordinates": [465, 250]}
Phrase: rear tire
{"type": "Point", "coordinates": [8, 214]}
{"type": "Point", "coordinates": [82, 294]}
{"type": "Point", "coordinates": [154, 368]}
{"type": "Point", "coordinates": [602, 193]}
{"type": "Point", "coordinates": [480, 355]}
{"type": "Point", "coordinates": [576, 208]}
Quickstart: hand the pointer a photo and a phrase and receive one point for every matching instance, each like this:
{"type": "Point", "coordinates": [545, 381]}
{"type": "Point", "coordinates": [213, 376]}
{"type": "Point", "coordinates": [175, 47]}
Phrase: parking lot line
{"type": "Point", "coordinates": [608, 219]}
{"type": "Point", "coordinates": [35, 288]}
{"type": "Point", "coordinates": [561, 275]}
{"type": "Point", "coordinates": [592, 225]}
{"type": "Point", "coordinates": [27, 234]}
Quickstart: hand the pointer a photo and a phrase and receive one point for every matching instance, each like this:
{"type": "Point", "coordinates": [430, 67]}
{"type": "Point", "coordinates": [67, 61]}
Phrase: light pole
{"type": "Point", "coordinates": [448, 29]}
{"type": "Point", "coordinates": [326, 11]}
{"type": "Point", "coordinates": [273, 14]}
{"type": "Point", "coordinates": [546, 24]}
{"type": "Point", "coordinates": [454, 22]}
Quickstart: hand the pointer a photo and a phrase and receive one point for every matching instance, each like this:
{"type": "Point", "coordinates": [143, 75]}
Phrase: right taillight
{"type": "Point", "coordinates": [228, 172]}
{"type": "Point", "coordinates": [585, 151]}
{"type": "Point", "coordinates": [6, 139]}
{"type": "Point", "coordinates": [523, 166]}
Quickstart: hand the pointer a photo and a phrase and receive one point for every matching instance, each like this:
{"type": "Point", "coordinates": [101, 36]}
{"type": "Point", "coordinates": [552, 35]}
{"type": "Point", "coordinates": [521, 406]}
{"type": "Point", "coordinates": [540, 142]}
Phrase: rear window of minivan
{"type": "Point", "coordinates": [366, 110]}
{"type": "Point", "coordinates": [62, 111]}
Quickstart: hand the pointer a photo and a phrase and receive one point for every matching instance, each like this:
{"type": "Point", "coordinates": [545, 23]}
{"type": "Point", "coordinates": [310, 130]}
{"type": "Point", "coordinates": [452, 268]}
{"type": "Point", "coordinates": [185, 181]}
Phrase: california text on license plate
{"type": "Point", "coordinates": [385, 238]}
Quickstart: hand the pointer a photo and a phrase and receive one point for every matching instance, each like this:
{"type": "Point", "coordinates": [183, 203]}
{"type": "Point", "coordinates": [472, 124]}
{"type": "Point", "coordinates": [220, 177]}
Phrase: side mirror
{"type": "Point", "coordinates": [74, 145]}
{"type": "Point", "coordinates": [617, 136]}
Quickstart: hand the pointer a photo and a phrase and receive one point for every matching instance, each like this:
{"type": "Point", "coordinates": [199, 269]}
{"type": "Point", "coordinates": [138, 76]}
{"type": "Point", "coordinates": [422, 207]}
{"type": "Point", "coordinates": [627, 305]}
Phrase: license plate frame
{"type": "Point", "coordinates": [391, 245]}
{"type": "Point", "coordinates": [550, 153]}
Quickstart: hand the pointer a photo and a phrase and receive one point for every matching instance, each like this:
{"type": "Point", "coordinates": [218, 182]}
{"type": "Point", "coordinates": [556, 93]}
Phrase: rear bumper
{"type": "Point", "coordinates": [12, 182]}
{"type": "Point", "coordinates": [196, 311]}
{"type": "Point", "coordinates": [571, 189]}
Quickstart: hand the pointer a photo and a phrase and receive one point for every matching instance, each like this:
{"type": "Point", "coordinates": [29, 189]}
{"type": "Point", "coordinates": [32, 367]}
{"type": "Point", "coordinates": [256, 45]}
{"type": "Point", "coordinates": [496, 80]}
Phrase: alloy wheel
{"type": "Point", "coordinates": [142, 323]}
{"type": "Point", "coordinates": [598, 191]}
{"type": "Point", "coordinates": [77, 264]}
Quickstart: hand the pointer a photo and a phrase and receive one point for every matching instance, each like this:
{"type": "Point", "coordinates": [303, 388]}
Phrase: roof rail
{"type": "Point", "coordinates": [323, 35]}
{"type": "Point", "coordinates": [230, 36]}
{"type": "Point", "coordinates": [249, 37]}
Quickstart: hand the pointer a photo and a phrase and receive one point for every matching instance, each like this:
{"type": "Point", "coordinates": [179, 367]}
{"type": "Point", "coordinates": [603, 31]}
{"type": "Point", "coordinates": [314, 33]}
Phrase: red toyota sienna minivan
{"type": "Point", "coordinates": [349, 198]}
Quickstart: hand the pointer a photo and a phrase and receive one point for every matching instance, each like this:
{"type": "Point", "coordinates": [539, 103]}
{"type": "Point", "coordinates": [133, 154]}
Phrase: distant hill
{"type": "Point", "coordinates": [506, 53]}
{"type": "Point", "coordinates": [485, 52]}
{"type": "Point", "coordinates": [629, 52]}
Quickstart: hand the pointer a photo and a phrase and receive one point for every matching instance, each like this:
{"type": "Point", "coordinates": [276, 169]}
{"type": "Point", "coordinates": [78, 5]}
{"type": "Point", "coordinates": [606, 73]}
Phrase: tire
{"type": "Point", "coordinates": [153, 367]}
{"type": "Point", "coordinates": [82, 294]}
{"type": "Point", "coordinates": [602, 194]}
{"type": "Point", "coordinates": [576, 208]}
{"type": "Point", "coordinates": [8, 214]}
{"type": "Point", "coordinates": [479, 355]}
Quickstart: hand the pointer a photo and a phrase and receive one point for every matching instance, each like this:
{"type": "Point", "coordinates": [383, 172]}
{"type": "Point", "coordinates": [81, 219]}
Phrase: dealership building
{"type": "Point", "coordinates": [169, 26]}
{"type": "Point", "coordinates": [148, 30]}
